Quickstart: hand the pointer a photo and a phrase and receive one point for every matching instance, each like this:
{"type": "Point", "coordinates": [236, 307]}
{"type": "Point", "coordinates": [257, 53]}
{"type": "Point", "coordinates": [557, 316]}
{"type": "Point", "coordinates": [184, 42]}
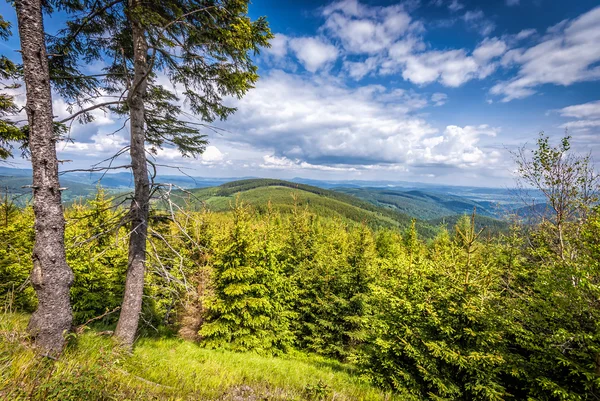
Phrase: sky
{"type": "Point", "coordinates": [434, 91]}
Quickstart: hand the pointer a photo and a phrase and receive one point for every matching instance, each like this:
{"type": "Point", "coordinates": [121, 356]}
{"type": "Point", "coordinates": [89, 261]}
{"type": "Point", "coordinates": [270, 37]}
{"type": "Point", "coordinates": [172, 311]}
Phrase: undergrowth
{"type": "Point", "coordinates": [94, 368]}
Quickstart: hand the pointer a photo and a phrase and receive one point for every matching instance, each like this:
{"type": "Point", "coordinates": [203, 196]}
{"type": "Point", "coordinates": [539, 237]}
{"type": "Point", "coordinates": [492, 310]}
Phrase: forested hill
{"type": "Point", "coordinates": [425, 204]}
{"type": "Point", "coordinates": [284, 196]}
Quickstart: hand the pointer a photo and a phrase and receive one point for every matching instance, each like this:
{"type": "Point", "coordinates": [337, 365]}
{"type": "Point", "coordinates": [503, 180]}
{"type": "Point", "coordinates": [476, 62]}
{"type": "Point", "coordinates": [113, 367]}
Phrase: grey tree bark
{"type": "Point", "coordinates": [51, 275]}
{"type": "Point", "coordinates": [140, 207]}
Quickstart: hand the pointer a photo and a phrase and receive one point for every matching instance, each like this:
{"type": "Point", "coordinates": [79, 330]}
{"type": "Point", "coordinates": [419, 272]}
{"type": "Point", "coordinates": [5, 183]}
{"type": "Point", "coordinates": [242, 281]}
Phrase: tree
{"type": "Point", "coordinates": [9, 131]}
{"type": "Point", "coordinates": [567, 182]}
{"type": "Point", "coordinates": [553, 308]}
{"type": "Point", "coordinates": [51, 275]}
{"type": "Point", "coordinates": [203, 47]}
{"type": "Point", "coordinates": [244, 313]}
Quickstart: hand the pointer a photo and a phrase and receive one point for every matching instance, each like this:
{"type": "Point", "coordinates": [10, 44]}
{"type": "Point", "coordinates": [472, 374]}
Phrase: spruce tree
{"type": "Point", "coordinates": [245, 312]}
{"type": "Point", "coordinates": [203, 47]}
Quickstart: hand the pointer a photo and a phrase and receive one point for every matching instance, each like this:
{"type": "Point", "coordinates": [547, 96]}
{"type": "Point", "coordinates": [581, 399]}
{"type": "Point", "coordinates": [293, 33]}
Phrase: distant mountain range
{"type": "Point", "coordinates": [421, 200]}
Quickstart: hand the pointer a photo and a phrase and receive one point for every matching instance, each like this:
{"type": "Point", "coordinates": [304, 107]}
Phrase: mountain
{"type": "Point", "coordinates": [423, 204]}
{"type": "Point", "coordinates": [18, 189]}
{"type": "Point", "coordinates": [283, 195]}
{"type": "Point", "coordinates": [117, 180]}
{"type": "Point", "coordinates": [386, 206]}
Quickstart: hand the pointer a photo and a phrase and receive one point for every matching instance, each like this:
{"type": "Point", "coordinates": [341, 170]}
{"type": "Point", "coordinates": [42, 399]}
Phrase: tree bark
{"type": "Point", "coordinates": [140, 205]}
{"type": "Point", "coordinates": [51, 276]}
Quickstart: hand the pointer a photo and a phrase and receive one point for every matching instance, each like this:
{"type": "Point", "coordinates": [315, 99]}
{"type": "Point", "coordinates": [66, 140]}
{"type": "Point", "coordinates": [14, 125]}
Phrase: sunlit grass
{"type": "Point", "coordinates": [93, 368]}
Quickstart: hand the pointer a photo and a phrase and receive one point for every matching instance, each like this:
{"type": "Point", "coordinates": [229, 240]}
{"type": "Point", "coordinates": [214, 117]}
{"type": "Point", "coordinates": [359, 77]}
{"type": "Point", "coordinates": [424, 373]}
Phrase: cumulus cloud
{"type": "Point", "coordinates": [279, 46]}
{"type": "Point", "coordinates": [451, 67]}
{"type": "Point", "coordinates": [390, 42]}
{"type": "Point", "coordinates": [102, 144]}
{"type": "Point", "coordinates": [458, 146]}
{"type": "Point", "coordinates": [567, 54]}
{"type": "Point", "coordinates": [320, 124]}
{"type": "Point", "coordinates": [313, 53]}
{"type": "Point", "coordinates": [365, 29]}
{"type": "Point", "coordinates": [358, 69]}
{"type": "Point", "coordinates": [489, 49]}
{"type": "Point", "coordinates": [212, 155]}
{"type": "Point", "coordinates": [283, 163]}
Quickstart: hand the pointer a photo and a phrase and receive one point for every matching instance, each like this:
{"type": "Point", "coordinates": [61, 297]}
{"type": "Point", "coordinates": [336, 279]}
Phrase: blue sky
{"type": "Point", "coordinates": [431, 91]}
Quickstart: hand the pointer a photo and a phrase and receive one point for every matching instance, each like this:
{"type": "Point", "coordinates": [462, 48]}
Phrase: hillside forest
{"type": "Point", "coordinates": [265, 289]}
{"type": "Point", "coordinates": [458, 315]}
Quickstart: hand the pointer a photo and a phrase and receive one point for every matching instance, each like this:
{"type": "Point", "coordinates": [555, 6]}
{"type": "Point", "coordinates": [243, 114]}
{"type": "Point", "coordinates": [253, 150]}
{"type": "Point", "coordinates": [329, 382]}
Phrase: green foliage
{"type": "Point", "coordinates": [433, 333]}
{"type": "Point", "coordinates": [16, 245]}
{"type": "Point", "coordinates": [98, 256]}
{"type": "Point", "coordinates": [247, 310]}
{"type": "Point", "coordinates": [461, 316]}
{"type": "Point", "coordinates": [285, 195]}
{"type": "Point", "coordinates": [204, 48]}
{"type": "Point", "coordinates": [9, 131]}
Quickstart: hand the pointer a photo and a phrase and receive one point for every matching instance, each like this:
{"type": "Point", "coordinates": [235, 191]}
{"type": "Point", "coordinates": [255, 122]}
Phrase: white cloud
{"type": "Point", "coordinates": [489, 49]}
{"type": "Point", "coordinates": [511, 3]}
{"type": "Point", "coordinates": [283, 163]}
{"type": "Point", "coordinates": [585, 110]}
{"type": "Point", "coordinates": [567, 54]}
{"type": "Point", "coordinates": [455, 5]}
{"type": "Point", "coordinates": [101, 144]}
{"type": "Point", "coordinates": [452, 67]}
{"type": "Point", "coordinates": [393, 44]}
{"type": "Point", "coordinates": [317, 123]}
{"type": "Point", "coordinates": [439, 99]}
{"type": "Point", "coordinates": [458, 146]}
{"type": "Point", "coordinates": [313, 53]}
{"type": "Point", "coordinates": [359, 69]}
{"type": "Point", "coordinates": [363, 29]}
{"type": "Point", "coordinates": [279, 46]}
{"type": "Point", "coordinates": [588, 115]}
{"type": "Point", "coordinates": [581, 124]}
{"type": "Point", "coordinates": [525, 33]}
{"type": "Point", "coordinates": [476, 20]}
{"type": "Point", "coordinates": [62, 110]}
{"type": "Point", "coordinates": [212, 155]}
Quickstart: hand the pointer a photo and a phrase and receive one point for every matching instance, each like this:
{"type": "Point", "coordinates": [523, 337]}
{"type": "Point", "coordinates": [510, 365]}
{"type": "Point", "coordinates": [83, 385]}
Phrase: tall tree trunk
{"type": "Point", "coordinates": [51, 276]}
{"type": "Point", "coordinates": [139, 210]}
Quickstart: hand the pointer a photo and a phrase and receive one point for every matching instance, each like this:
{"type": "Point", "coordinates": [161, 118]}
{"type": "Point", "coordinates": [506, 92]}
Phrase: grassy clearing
{"type": "Point", "coordinates": [92, 368]}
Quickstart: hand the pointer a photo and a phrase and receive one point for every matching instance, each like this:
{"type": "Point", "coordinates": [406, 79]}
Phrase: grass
{"type": "Point", "coordinates": [92, 368]}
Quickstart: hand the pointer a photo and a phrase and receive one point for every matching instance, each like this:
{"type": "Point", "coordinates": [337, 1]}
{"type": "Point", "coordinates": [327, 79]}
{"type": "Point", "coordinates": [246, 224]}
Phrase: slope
{"type": "Point", "coordinates": [92, 368]}
{"type": "Point", "coordinates": [421, 204]}
{"type": "Point", "coordinates": [284, 195]}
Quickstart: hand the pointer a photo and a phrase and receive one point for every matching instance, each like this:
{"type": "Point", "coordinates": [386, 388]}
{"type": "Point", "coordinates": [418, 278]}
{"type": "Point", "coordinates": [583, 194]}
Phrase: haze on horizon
{"type": "Point", "coordinates": [431, 91]}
